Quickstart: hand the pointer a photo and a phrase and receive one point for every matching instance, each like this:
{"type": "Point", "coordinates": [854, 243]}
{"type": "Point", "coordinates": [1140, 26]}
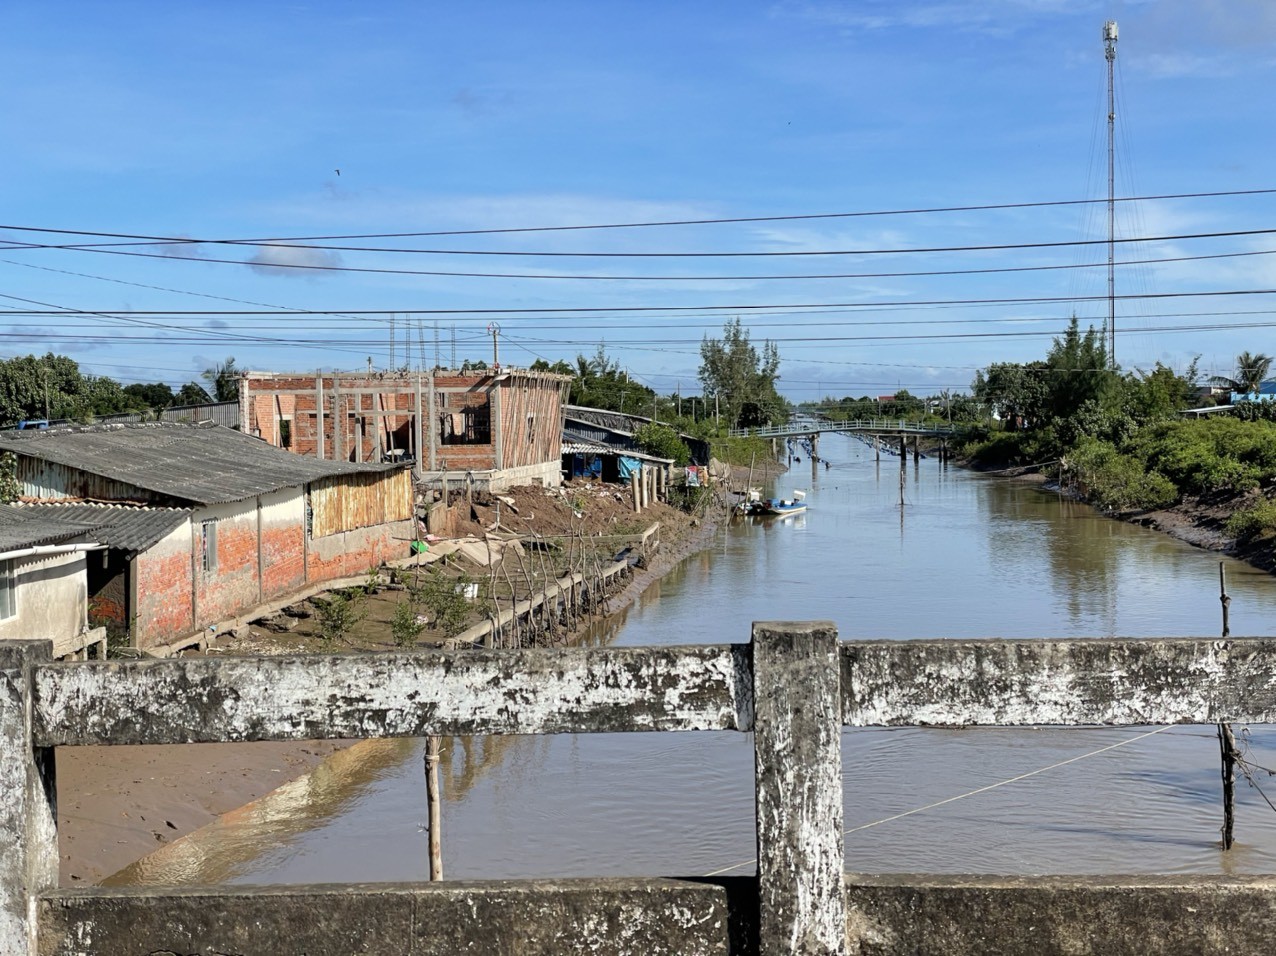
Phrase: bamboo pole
{"type": "Point", "coordinates": [432, 799]}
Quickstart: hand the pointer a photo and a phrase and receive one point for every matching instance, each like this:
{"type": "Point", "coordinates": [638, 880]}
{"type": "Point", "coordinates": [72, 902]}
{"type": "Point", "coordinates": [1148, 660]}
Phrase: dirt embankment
{"type": "Point", "coordinates": [116, 804]}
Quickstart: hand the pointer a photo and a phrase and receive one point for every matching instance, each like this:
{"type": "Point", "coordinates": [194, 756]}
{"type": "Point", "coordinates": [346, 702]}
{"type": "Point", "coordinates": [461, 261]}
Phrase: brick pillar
{"type": "Point", "coordinates": [28, 802]}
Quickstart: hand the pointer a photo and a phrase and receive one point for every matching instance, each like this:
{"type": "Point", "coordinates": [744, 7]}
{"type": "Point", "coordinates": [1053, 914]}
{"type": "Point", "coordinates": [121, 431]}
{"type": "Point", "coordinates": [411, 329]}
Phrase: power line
{"type": "Point", "coordinates": [1002, 270]}
{"type": "Point", "coordinates": [648, 224]}
{"type": "Point", "coordinates": [993, 247]}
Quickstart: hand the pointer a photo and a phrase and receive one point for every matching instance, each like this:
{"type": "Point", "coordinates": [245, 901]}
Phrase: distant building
{"type": "Point", "coordinates": [1266, 393]}
{"type": "Point", "coordinates": [202, 523]}
{"type": "Point", "coordinates": [498, 428]}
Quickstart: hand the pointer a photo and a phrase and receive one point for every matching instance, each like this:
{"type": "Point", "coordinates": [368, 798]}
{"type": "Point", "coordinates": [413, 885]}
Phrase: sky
{"type": "Point", "coordinates": [448, 145]}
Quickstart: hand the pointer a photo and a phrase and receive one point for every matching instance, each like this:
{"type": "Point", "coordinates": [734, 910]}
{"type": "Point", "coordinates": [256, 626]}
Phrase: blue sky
{"type": "Point", "coordinates": [230, 121]}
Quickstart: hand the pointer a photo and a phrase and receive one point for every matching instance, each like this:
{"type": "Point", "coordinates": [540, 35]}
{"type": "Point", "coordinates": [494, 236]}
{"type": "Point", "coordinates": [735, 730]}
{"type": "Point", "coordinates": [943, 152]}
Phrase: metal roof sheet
{"type": "Point", "coordinates": [20, 529]}
{"type": "Point", "coordinates": [203, 463]}
{"type": "Point", "coordinates": [118, 526]}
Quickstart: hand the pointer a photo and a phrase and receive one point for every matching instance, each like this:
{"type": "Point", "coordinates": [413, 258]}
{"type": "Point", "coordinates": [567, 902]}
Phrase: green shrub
{"type": "Point", "coordinates": [404, 626]}
{"type": "Point", "coordinates": [1114, 481]}
{"type": "Point", "coordinates": [445, 598]}
{"type": "Point", "coordinates": [663, 442]}
{"type": "Point", "coordinates": [338, 615]}
{"type": "Point", "coordinates": [1252, 523]}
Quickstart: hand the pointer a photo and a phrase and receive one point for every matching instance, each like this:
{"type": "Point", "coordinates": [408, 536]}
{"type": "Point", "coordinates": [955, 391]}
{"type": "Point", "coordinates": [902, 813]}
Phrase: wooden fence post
{"type": "Point", "coordinates": [28, 813]}
{"type": "Point", "coordinates": [797, 739]}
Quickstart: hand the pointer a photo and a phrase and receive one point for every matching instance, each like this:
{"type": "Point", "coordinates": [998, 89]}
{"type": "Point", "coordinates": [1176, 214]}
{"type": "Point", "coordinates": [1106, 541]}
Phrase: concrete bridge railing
{"type": "Point", "coordinates": [794, 687]}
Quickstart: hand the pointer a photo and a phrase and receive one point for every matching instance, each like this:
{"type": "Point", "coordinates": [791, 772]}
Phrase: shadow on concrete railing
{"type": "Point", "coordinates": [794, 687]}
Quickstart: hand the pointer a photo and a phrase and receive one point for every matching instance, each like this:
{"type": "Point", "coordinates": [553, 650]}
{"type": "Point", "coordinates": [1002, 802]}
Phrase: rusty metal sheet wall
{"type": "Point", "coordinates": [46, 480]}
{"type": "Point", "coordinates": [347, 502]}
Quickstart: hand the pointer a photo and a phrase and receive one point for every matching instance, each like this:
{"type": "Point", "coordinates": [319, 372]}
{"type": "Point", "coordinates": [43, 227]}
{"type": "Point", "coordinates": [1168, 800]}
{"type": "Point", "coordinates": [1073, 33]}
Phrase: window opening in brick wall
{"type": "Point", "coordinates": [285, 433]}
{"type": "Point", "coordinates": [466, 425]}
{"type": "Point", "coordinates": [208, 545]}
{"type": "Point", "coordinates": [8, 590]}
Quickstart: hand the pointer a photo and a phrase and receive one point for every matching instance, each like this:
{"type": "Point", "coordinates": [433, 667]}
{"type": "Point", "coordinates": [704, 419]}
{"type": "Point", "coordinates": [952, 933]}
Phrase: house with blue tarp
{"type": "Point", "coordinates": [1266, 393]}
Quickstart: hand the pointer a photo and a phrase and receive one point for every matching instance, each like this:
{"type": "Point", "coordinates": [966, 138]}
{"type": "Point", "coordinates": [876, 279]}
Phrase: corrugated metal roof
{"type": "Point", "coordinates": [117, 526]}
{"type": "Point", "coordinates": [575, 445]}
{"type": "Point", "coordinates": [203, 464]}
{"type": "Point", "coordinates": [21, 529]}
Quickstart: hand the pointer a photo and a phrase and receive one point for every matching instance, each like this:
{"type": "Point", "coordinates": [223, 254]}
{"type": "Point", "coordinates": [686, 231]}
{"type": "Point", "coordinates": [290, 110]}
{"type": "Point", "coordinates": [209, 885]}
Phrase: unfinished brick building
{"type": "Point", "coordinates": [498, 427]}
{"type": "Point", "coordinates": [203, 523]}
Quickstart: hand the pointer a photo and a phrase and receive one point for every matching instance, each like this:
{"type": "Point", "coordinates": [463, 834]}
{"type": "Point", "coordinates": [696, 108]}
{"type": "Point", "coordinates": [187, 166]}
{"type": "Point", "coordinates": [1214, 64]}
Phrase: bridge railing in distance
{"type": "Point", "coordinates": [875, 426]}
{"type": "Point", "coordinates": [793, 686]}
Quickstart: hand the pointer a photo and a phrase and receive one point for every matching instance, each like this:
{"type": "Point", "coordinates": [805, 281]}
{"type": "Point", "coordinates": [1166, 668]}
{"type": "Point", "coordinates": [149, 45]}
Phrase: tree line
{"type": "Point", "coordinates": [52, 387]}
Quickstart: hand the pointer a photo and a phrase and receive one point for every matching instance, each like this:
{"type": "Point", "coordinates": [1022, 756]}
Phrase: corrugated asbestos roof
{"type": "Point", "coordinates": [21, 529]}
{"type": "Point", "coordinates": [117, 526]}
{"type": "Point", "coordinates": [204, 464]}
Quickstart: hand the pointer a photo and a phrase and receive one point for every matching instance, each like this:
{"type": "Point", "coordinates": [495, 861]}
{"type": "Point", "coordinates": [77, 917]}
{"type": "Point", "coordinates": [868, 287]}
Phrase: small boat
{"type": "Point", "coordinates": [773, 507]}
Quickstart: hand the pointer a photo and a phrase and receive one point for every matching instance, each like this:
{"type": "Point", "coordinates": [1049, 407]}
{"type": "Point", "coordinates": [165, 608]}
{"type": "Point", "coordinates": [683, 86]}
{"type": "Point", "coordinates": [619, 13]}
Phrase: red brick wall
{"type": "Point", "coordinates": [164, 590]}
{"type": "Point", "coordinates": [283, 534]}
{"type": "Point", "coordinates": [233, 586]}
{"type": "Point", "coordinates": [351, 553]}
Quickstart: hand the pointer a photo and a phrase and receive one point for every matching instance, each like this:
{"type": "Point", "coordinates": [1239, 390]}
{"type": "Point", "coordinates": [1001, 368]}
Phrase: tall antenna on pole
{"type": "Point", "coordinates": [1109, 43]}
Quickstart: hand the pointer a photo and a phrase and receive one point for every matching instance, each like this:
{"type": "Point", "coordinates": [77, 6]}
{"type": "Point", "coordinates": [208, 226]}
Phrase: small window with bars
{"type": "Point", "coordinates": [208, 546]}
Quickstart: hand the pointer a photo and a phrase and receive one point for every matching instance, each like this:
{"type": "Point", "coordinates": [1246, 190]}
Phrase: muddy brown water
{"type": "Point", "coordinates": [970, 556]}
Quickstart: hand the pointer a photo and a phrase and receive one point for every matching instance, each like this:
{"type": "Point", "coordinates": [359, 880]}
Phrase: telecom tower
{"type": "Point", "coordinates": [1109, 43]}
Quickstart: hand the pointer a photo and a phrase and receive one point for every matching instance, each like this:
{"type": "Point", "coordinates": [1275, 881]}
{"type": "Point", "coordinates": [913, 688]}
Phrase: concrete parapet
{"type": "Point", "coordinates": [1060, 915]}
{"type": "Point", "coordinates": [602, 917]}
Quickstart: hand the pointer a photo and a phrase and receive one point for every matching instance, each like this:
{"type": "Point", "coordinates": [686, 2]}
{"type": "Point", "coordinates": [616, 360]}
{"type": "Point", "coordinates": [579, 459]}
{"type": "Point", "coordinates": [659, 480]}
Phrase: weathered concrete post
{"type": "Point", "coordinates": [797, 740]}
{"type": "Point", "coordinates": [28, 812]}
{"type": "Point", "coordinates": [633, 487]}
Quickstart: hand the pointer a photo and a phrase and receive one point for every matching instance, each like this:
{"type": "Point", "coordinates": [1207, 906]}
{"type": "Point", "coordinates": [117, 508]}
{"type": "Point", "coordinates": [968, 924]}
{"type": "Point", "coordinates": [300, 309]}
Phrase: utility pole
{"type": "Point", "coordinates": [495, 330]}
{"type": "Point", "coordinates": [1110, 42]}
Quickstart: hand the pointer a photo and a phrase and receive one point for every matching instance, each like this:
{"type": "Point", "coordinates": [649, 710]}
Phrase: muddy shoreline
{"type": "Point", "coordinates": [118, 804]}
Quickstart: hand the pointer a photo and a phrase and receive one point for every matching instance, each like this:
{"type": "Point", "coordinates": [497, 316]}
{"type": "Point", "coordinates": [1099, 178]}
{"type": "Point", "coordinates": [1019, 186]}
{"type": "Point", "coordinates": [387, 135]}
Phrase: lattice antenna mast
{"type": "Point", "coordinates": [1109, 43]}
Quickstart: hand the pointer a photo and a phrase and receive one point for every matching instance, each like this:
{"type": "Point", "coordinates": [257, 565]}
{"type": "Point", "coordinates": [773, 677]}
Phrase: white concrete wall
{"type": "Point", "coordinates": [52, 597]}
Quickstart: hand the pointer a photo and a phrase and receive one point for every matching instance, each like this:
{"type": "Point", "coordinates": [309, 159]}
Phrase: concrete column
{"type": "Point", "coordinates": [432, 426]}
{"type": "Point", "coordinates": [319, 437]}
{"type": "Point", "coordinates": [28, 802]}
{"type": "Point", "coordinates": [797, 740]}
{"type": "Point", "coordinates": [633, 487]}
{"type": "Point", "coordinates": [917, 449]}
{"type": "Point", "coordinates": [338, 420]}
{"type": "Point", "coordinates": [418, 453]}
{"type": "Point", "coordinates": [494, 412]}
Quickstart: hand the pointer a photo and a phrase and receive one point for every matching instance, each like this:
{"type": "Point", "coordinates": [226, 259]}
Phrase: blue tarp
{"type": "Point", "coordinates": [627, 466]}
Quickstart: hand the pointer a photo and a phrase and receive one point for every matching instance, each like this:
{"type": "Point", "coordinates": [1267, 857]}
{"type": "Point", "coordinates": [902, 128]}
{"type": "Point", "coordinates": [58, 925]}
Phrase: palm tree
{"type": "Point", "coordinates": [1251, 372]}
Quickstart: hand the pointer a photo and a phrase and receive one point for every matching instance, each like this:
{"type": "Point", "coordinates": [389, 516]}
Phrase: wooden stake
{"type": "Point", "coordinates": [1227, 745]}
{"type": "Point", "coordinates": [1226, 740]}
{"type": "Point", "coordinates": [432, 798]}
{"type": "Point", "coordinates": [1223, 598]}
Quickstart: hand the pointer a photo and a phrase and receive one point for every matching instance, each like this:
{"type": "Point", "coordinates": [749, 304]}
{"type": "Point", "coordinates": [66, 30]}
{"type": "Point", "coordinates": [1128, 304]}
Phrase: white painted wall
{"type": "Point", "coordinates": [52, 600]}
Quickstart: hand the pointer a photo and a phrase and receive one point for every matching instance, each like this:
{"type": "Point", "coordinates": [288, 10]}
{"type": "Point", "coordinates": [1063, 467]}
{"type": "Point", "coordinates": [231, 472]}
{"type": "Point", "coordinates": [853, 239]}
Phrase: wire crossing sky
{"type": "Point", "coordinates": [896, 192]}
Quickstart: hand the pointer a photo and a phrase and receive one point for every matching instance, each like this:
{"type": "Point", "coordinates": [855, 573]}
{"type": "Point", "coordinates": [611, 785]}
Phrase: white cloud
{"type": "Point", "coordinates": [293, 261]}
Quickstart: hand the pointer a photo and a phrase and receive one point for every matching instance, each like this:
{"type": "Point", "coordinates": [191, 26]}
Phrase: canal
{"type": "Point", "coordinates": [968, 556]}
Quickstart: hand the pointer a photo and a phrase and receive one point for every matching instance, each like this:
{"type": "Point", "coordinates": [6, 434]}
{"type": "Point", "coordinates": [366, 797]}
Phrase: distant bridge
{"type": "Point", "coordinates": [863, 426]}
